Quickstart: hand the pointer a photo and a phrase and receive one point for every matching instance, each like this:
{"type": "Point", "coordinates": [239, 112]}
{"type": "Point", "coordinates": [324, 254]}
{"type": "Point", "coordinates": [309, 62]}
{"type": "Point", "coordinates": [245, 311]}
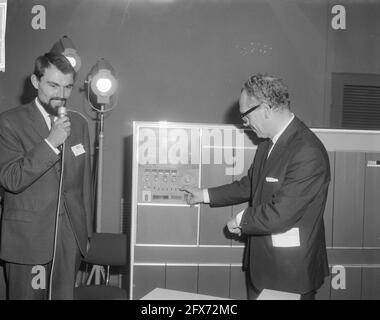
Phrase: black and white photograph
{"type": "Point", "coordinates": [203, 152]}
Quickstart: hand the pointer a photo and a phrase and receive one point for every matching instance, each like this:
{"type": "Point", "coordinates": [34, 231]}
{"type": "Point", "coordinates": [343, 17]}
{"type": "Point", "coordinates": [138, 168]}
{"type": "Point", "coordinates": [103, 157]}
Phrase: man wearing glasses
{"type": "Point", "coordinates": [286, 189]}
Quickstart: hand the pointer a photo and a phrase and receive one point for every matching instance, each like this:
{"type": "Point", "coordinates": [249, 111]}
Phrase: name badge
{"type": "Point", "coordinates": [78, 149]}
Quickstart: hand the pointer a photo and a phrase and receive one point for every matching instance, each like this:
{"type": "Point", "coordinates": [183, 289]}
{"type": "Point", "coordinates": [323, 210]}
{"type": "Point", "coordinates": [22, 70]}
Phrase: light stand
{"type": "Point", "coordinates": [103, 85]}
{"type": "Point", "coordinates": [99, 185]}
{"type": "Point", "coordinates": [99, 179]}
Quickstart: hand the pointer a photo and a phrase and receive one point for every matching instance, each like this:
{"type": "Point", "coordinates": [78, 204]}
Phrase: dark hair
{"type": "Point", "coordinates": [270, 89]}
{"type": "Point", "coordinates": [52, 58]}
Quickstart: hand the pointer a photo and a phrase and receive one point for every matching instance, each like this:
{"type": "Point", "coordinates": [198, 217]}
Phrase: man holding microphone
{"type": "Point", "coordinates": [32, 163]}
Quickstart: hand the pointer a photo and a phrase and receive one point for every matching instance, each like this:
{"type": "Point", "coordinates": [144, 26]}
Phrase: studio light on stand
{"type": "Point", "coordinates": [66, 47]}
{"type": "Point", "coordinates": [101, 86]}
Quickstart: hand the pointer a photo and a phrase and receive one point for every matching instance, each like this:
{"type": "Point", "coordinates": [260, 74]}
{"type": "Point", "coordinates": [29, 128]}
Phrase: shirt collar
{"type": "Point", "coordinates": [41, 108]}
{"type": "Point", "coordinates": [277, 136]}
{"type": "Point", "coordinates": [43, 112]}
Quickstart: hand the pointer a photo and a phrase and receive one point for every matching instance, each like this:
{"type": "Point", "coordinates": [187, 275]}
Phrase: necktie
{"type": "Point", "coordinates": [266, 154]}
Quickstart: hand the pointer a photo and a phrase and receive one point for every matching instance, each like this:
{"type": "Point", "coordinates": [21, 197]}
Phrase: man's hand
{"type": "Point", "coordinates": [233, 226]}
{"type": "Point", "coordinates": [195, 195]}
{"type": "Point", "coordinates": [59, 132]}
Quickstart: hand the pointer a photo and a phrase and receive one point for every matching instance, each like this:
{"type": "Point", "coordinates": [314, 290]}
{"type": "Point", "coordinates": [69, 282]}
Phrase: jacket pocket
{"type": "Point", "coordinates": [18, 214]}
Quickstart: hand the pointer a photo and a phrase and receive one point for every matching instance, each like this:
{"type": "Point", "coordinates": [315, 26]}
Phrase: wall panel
{"type": "Point", "coordinates": [372, 201]}
{"type": "Point", "coordinates": [214, 280]}
{"type": "Point", "coordinates": [348, 199]}
{"type": "Point", "coordinates": [238, 288]}
{"type": "Point", "coordinates": [182, 278]}
{"type": "Point", "coordinates": [370, 285]}
{"type": "Point", "coordinates": [177, 226]}
{"type": "Point", "coordinates": [147, 278]}
{"type": "Point", "coordinates": [352, 290]}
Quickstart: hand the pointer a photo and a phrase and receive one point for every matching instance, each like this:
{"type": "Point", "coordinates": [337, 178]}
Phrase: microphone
{"type": "Point", "coordinates": [62, 112]}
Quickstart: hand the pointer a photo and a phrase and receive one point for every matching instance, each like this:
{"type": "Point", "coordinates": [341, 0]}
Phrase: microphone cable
{"type": "Point", "coordinates": [57, 220]}
{"type": "Point", "coordinates": [62, 161]}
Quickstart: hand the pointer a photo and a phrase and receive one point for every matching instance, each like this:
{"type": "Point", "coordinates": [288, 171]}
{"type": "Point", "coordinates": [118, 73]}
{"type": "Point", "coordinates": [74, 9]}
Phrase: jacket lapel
{"type": "Point", "coordinates": [258, 168]}
{"type": "Point", "coordinates": [37, 121]}
{"type": "Point", "coordinates": [38, 124]}
{"type": "Point", "coordinates": [280, 146]}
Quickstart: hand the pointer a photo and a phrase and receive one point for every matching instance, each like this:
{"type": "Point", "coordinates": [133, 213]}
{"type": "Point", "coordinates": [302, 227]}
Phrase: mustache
{"type": "Point", "coordinates": [57, 99]}
{"type": "Point", "coordinates": [50, 108]}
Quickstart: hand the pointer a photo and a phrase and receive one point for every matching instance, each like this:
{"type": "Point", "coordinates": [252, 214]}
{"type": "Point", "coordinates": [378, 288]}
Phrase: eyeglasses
{"type": "Point", "coordinates": [242, 115]}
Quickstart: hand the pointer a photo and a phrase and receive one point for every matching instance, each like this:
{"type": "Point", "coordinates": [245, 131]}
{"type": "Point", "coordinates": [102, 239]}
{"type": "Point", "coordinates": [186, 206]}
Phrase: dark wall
{"type": "Point", "coordinates": [186, 60]}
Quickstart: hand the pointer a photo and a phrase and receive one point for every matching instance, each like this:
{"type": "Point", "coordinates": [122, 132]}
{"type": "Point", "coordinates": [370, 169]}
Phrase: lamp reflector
{"type": "Point", "coordinates": [72, 61]}
{"type": "Point", "coordinates": [102, 81]}
{"type": "Point", "coordinates": [103, 85]}
{"type": "Point", "coordinates": [66, 47]}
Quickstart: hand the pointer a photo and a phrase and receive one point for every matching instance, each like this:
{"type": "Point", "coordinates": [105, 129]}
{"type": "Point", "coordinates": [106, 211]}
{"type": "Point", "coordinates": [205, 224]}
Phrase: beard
{"type": "Point", "coordinates": [50, 109]}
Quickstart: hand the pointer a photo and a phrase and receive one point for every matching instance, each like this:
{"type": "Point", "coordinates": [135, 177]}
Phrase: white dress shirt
{"type": "Point", "coordinates": [275, 138]}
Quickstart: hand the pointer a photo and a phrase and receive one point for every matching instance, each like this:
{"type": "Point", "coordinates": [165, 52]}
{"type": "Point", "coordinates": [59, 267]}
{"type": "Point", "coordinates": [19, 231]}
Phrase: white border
{"type": "Point", "coordinates": [3, 10]}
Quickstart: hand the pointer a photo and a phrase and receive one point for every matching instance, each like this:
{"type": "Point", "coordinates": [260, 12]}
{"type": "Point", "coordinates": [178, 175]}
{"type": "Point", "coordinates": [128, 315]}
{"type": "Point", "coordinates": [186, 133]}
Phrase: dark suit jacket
{"type": "Point", "coordinates": [29, 173]}
{"type": "Point", "coordinates": [297, 200]}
